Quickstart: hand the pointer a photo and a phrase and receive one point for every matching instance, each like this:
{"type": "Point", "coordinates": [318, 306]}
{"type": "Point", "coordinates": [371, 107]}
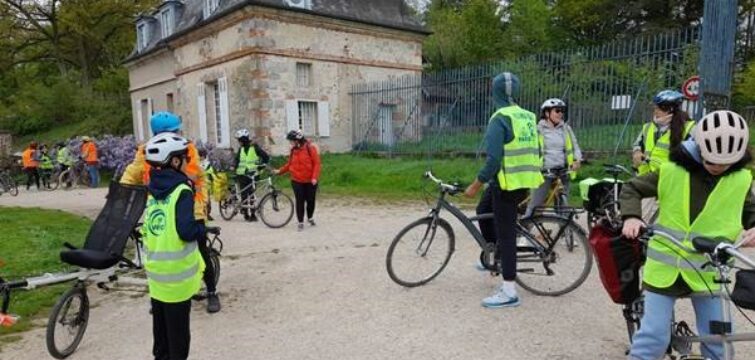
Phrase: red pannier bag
{"type": "Point", "coordinates": [619, 261]}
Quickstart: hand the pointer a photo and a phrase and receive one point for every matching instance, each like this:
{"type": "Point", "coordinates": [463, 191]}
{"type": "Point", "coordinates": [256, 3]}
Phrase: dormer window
{"type": "Point", "coordinates": [167, 22]}
{"type": "Point", "coordinates": [209, 7]}
{"type": "Point", "coordinates": [142, 35]}
{"type": "Point", "coordinates": [301, 4]}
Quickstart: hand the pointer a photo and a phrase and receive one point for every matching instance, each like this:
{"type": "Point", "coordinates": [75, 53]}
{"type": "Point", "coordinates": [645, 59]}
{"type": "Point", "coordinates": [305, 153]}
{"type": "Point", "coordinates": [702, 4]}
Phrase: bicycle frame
{"type": "Point", "coordinates": [724, 270]}
{"type": "Point", "coordinates": [535, 246]}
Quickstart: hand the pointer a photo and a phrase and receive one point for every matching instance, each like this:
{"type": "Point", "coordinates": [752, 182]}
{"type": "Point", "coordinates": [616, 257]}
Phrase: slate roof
{"type": "Point", "coordinates": [394, 14]}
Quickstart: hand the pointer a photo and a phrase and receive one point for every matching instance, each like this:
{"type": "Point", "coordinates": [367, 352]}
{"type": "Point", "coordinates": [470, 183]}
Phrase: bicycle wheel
{"type": "Point", "coordinates": [228, 208]}
{"type": "Point", "coordinates": [549, 267]}
{"type": "Point", "coordinates": [54, 181]}
{"type": "Point", "coordinates": [67, 322]}
{"type": "Point", "coordinates": [215, 260]}
{"type": "Point", "coordinates": [276, 209]}
{"type": "Point", "coordinates": [411, 261]}
{"type": "Point", "coordinates": [11, 187]}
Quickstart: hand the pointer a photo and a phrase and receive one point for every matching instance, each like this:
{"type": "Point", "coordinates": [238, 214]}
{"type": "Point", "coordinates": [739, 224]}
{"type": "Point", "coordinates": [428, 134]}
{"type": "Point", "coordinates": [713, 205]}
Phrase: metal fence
{"type": "Point", "coordinates": [605, 87]}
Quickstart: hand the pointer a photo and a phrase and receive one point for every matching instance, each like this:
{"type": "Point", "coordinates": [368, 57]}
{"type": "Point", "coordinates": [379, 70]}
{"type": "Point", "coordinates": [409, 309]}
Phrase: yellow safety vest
{"type": "Point", "coordinates": [521, 162]}
{"type": "Point", "coordinates": [247, 160]}
{"type": "Point", "coordinates": [174, 267]}
{"type": "Point", "coordinates": [721, 217]}
{"type": "Point", "coordinates": [45, 162]}
{"type": "Point", "coordinates": [658, 152]}
{"type": "Point", "coordinates": [568, 150]}
{"type": "Point", "coordinates": [63, 157]}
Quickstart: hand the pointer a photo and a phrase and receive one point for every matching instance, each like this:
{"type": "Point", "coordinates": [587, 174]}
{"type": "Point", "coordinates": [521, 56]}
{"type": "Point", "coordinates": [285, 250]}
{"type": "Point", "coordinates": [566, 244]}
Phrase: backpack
{"type": "Point", "coordinates": [619, 261]}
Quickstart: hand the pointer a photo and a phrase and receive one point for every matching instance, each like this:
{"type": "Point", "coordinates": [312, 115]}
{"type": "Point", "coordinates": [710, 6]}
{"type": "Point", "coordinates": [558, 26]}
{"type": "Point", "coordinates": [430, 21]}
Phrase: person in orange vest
{"type": "Point", "coordinates": [89, 154]}
{"type": "Point", "coordinates": [30, 160]}
{"type": "Point", "coordinates": [137, 173]}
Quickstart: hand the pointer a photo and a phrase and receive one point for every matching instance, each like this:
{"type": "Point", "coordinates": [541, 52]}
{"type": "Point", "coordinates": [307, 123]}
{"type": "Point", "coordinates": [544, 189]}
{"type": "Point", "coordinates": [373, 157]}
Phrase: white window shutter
{"type": "Point", "coordinates": [202, 113]}
{"type": "Point", "coordinates": [139, 122]}
{"type": "Point", "coordinates": [151, 111]}
{"type": "Point", "coordinates": [292, 115]}
{"type": "Point", "coordinates": [225, 121]}
{"type": "Point", "coordinates": [323, 118]}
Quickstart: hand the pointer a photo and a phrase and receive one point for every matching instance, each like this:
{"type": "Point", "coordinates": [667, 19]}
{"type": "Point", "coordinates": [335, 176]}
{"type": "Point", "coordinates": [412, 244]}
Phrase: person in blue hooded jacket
{"type": "Point", "coordinates": [511, 170]}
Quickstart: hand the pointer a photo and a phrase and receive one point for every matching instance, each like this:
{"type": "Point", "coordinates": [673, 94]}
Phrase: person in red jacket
{"type": "Point", "coordinates": [304, 166]}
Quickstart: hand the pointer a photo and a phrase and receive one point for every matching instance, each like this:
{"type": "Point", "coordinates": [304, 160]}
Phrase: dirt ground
{"type": "Point", "coordinates": [324, 294]}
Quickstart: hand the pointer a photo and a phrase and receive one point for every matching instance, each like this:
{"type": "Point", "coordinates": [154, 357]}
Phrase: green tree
{"type": "Point", "coordinates": [464, 32]}
{"type": "Point", "coordinates": [529, 29]}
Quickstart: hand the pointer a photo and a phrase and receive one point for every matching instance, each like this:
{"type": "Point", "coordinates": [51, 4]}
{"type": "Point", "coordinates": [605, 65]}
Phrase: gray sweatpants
{"type": "Point", "coordinates": [538, 196]}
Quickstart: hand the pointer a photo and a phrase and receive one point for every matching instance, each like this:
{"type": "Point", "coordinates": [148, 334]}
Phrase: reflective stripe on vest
{"type": "Point", "coordinates": [721, 217]}
{"type": "Point", "coordinates": [568, 151]}
{"type": "Point", "coordinates": [521, 162]}
{"type": "Point", "coordinates": [658, 151]}
{"type": "Point", "coordinates": [247, 160]}
{"type": "Point", "coordinates": [174, 267]}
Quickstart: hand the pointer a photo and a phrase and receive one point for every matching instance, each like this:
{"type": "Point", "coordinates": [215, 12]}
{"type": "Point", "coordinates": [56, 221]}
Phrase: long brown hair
{"type": "Point", "coordinates": [679, 119]}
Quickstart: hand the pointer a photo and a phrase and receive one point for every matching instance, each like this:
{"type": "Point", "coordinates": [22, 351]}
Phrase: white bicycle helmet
{"type": "Point", "coordinates": [722, 137]}
{"type": "Point", "coordinates": [552, 103]}
{"type": "Point", "coordinates": [162, 147]}
{"type": "Point", "coordinates": [243, 133]}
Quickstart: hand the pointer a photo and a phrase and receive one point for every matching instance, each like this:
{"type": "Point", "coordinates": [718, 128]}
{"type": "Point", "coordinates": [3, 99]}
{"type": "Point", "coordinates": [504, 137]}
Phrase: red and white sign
{"type": "Point", "coordinates": [691, 88]}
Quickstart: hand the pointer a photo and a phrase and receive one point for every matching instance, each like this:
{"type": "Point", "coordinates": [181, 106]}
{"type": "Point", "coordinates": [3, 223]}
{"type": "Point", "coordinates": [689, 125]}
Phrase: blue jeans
{"type": "Point", "coordinates": [94, 176]}
{"type": "Point", "coordinates": [652, 340]}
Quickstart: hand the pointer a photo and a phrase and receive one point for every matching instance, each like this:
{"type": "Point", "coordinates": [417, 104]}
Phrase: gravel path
{"type": "Point", "coordinates": [324, 294]}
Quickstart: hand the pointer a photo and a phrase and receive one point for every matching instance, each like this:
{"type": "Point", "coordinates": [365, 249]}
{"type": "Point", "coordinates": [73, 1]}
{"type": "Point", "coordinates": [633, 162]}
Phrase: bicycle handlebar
{"type": "Point", "coordinates": [452, 189]}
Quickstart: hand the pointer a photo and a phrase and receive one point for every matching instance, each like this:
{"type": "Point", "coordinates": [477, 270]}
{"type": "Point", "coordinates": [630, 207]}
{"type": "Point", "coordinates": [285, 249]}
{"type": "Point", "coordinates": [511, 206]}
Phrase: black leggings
{"type": "Point", "coordinates": [32, 177]}
{"type": "Point", "coordinates": [304, 193]}
{"type": "Point", "coordinates": [503, 205]}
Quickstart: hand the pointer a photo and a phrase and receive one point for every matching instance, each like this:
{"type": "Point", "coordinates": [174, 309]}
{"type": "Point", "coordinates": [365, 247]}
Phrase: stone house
{"type": "Point", "coordinates": [267, 65]}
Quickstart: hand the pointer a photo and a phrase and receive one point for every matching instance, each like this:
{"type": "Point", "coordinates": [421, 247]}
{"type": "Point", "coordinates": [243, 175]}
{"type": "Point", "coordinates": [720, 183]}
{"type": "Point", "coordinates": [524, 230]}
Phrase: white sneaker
{"type": "Point", "coordinates": [500, 300]}
{"type": "Point", "coordinates": [300, 227]}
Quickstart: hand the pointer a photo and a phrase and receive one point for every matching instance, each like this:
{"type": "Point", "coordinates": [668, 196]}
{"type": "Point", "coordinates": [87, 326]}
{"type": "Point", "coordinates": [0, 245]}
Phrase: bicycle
{"type": "Point", "coordinates": [275, 208]}
{"type": "Point", "coordinates": [603, 197]}
{"type": "Point", "coordinates": [74, 175]}
{"type": "Point", "coordinates": [8, 183]}
{"type": "Point", "coordinates": [69, 317]}
{"type": "Point", "coordinates": [557, 197]}
{"type": "Point", "coordinates": [541, 259]}
{"type": "Point", "coordinates": [719, 254]}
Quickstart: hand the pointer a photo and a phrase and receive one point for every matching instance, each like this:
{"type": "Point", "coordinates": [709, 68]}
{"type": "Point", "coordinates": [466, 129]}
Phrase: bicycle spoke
{"type": "Point", "coordinates": [563, 262]}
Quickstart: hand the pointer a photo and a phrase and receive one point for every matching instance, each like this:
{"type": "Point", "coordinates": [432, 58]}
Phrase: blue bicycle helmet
{"type": "Point", "coordinates": [668, 98]}
{"type": "Point", "coordinates": [164, 121]}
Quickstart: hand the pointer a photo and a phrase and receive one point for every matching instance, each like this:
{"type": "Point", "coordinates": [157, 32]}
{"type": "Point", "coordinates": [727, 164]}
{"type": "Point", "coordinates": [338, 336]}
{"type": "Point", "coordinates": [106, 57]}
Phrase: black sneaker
{"type": "Point", "coordinates": [213, 303]}
{"type": "Point", "coordinates": [311, 222]}
{"type": "Point", "coordinates": [252, 218]}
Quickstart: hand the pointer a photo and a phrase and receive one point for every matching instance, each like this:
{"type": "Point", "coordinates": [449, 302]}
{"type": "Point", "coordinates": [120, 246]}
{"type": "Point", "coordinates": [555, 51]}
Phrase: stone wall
{"type": "Point", "coordinates": [6, 141]}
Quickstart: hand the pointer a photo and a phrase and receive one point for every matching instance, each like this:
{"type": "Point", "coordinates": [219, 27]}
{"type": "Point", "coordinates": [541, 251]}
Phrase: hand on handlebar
{"type": "Point", "coordinates": [638, 158]}
{"type": "Point", "coordinates": [633, 228]}
{"type": "Point", "coordinates": [473, 188]}
{"type": "Point", "coordinates": [576, 165]}
{"type": "Point", "coordinates": [748, 238]}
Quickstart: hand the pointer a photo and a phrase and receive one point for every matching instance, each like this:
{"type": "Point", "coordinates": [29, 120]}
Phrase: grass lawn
{"type": "Point", "coordinates": [31, 242]}
{"type": "Point", "coordinates": [401, 178]}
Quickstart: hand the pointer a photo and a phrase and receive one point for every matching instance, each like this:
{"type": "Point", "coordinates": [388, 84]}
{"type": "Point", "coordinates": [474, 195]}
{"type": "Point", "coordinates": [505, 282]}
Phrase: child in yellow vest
{"type": "Point", "coordinates": [173, 263]}
{"type": "Point", "coordinates": [705, 190]}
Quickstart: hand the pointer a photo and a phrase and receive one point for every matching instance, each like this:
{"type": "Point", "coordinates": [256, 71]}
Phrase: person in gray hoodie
{"type": "Point", "coordinates": [561, 154]}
